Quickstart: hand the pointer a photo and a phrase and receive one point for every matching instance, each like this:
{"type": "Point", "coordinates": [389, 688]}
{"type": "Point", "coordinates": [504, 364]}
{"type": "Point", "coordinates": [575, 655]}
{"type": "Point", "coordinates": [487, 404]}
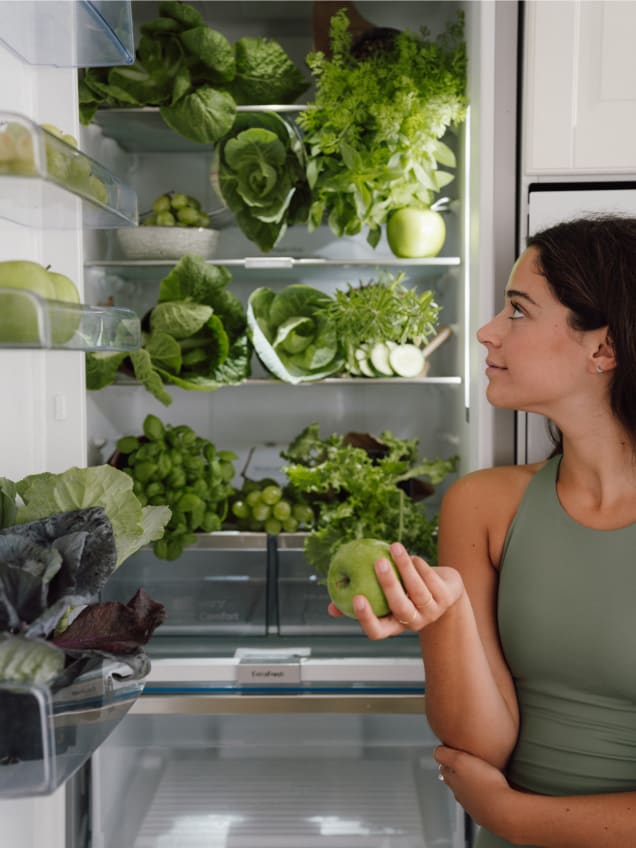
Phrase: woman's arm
{"type": "Point", "coordinates": [470, 699]}
{"type": "Point", "coordinates": [522, 818]}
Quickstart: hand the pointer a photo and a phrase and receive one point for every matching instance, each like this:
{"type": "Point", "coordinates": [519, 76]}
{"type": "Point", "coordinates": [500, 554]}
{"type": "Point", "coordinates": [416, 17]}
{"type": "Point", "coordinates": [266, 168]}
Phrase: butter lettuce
{"type": "Point", "coordinates": [290, 334]}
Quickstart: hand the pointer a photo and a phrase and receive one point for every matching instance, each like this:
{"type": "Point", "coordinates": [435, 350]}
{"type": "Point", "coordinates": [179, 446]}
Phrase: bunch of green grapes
{"type": "Point", "coordinates": [176, 210]}
{"type": "Point", "coordinates": [173, 466]}
{"type": "Point", "coordinates": [264, 505]}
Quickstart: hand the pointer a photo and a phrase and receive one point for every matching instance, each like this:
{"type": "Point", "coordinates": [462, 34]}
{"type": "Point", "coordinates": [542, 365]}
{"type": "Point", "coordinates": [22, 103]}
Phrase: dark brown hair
{"type": "Point", "coordinates": [590, 266]}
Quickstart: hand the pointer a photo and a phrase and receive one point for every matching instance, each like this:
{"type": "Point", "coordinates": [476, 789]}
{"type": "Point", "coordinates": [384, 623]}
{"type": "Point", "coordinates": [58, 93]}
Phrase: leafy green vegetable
{"type": "Point", "coordinates": [29, 660]}
{"type": "Point", "coordinates": [259, 168]}
{"type": "Point", "coordinates": [112, 627]}
{"type": "Point", "coordinates": [265, 74]}
{"type": "Point", "coordinates": [179, 318]}
{"type": "Point", "coordinates": [374, 131]}
{"type": "Point", "coordinates": [52, 564]}
{"type": "Point", "coordinates": [51, 571]}
{"type": "Point", "coordinates": [204, 115]}
{"type": "Point", "coordinates": [174, 466]}
{"type": "Point", "coordinates": [290, 335]}
{"type": "Point", "coordinates": [197, 340]}
{"type": "Point", "coordinates": [8, 494]}
{"type": "Point", "coordinates": [79, 488]}
{"type": "Point", "coordinates": [363, 496]}
{"type": "Point", "coordinates": [193, 74]}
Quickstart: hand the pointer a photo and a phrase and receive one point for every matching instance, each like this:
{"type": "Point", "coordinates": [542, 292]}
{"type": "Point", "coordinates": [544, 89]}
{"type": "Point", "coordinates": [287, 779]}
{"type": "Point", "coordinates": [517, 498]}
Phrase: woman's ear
{"type": "Point", "coordinates": [603, 358]}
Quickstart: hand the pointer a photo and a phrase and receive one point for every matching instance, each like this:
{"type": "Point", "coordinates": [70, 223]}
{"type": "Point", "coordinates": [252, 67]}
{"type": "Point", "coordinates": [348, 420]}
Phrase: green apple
{"type": "Point", "coordinates": [415, 233]}
{"type": "Point", "coordinates": [352, 572]}
{"type": "Point", "coordinates": [17, 142]}
{"type": "Point", "coordinates": [97, 189]}
{"type": "Point", "coordinates": [64, 324]}
{"type": "Point", "coordinates": [19, 322]}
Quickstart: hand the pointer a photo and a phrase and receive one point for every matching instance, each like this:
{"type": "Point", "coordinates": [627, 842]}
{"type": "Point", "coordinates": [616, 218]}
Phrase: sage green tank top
{"type": "Point", "coordinates": [567, 621]}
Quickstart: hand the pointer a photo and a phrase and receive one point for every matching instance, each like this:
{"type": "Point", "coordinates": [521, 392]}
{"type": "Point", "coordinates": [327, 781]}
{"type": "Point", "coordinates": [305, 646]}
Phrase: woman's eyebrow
{"type": "Point", "coordinates": [520, 294]}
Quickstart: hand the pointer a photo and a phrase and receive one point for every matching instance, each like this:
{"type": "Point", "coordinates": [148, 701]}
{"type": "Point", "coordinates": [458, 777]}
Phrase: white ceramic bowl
{"type": "Point", "coordinates": [166, 242]}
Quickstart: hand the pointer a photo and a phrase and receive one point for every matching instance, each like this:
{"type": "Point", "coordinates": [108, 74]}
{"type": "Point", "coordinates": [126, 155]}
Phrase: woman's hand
{"type": "Point", "coordinates": [481, 789]}
{"type": "Point", "coordinates": [422, 597]}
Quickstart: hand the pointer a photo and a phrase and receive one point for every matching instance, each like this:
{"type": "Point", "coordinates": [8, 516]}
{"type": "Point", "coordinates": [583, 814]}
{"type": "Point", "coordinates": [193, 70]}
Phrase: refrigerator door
{"type": "Point", "coordinates": [548, 204]}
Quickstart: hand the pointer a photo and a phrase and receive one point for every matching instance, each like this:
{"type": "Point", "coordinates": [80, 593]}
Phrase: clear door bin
{"type": "Point", "coordinates": [46, 737]}
{"type": "Point", "coordinates": [69, 33]}
{"type": "Point", "coordinates": [48, 183]}
{"type": "Point", "coordinates": [30, 321]}
{"type": "Point", "coordinates": [216, 587]}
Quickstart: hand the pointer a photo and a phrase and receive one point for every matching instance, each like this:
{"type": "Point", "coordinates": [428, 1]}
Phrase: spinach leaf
{"type": "Point", "coordinates": [204, 115]}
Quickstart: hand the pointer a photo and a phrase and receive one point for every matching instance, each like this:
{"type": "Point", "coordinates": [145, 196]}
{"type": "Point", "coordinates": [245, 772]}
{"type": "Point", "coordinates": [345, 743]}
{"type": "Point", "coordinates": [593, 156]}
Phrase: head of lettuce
{"type": "Point", "coordinates": [291, 334]}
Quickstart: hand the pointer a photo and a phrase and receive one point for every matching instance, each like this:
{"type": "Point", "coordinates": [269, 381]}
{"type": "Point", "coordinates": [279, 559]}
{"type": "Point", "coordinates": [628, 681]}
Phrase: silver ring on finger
{"type": "Point", "coordinates": [411, 621]}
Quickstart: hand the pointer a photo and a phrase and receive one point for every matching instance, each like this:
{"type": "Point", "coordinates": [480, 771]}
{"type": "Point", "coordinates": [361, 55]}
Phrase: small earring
{"type": "Point", "coordinates": [599, 370]}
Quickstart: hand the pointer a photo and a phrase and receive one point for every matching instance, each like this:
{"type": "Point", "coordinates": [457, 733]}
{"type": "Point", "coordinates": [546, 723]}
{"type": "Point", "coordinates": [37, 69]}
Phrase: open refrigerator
{"type": "Point", "coordinates": [262, 722]}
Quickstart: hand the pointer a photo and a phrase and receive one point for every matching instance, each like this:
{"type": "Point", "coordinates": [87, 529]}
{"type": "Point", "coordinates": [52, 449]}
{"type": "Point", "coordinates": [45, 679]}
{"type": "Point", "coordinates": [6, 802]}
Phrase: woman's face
{"type": "Point", "coordinates": [535, 358]}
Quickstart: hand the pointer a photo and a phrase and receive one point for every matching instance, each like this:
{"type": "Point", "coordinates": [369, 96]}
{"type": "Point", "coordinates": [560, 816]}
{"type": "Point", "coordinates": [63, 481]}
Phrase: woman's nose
{"type": "Point", "coordinates": [488, 334]}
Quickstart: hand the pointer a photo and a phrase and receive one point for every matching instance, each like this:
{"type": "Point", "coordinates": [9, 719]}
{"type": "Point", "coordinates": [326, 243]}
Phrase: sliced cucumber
{"type": "Point", "coordinates": [352, 363]}
{"type": "Point", "coordinates": [361, 352]}
{"type": "Point", "coordinates": [366, 368]}
{"type": "Point", "coordinates": [407, 360]}
{"type": "Point", "coordinates": [379, 358]}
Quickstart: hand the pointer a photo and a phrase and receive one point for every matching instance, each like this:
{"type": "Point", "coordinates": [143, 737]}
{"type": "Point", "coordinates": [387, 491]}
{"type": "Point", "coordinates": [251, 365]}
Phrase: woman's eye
{"type": "Point", "coordinates": [516, 312]}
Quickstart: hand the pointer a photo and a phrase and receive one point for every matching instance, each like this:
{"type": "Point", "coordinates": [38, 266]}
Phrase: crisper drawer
{"type": "Point", "coordinates": [302, 595]}
{"type": "Point", "coordinates": [217, 586]}
{"type": "Point", "coordinates": [263, 780]}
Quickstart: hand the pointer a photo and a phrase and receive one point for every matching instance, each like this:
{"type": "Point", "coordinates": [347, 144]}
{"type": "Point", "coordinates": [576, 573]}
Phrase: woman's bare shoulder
{"type": "Point", "coordinates": [502, 481]}
{"type": "Point", "coordinates": [481, 506]}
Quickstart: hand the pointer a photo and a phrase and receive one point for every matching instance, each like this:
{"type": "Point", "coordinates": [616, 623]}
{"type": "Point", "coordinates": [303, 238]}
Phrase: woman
{"type": "Point", "coordinates": [528, 626]}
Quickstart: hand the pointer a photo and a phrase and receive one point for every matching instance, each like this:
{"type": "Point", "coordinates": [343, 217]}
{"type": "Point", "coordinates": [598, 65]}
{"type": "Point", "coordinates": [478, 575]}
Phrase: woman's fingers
{"type": "Point", "coordinates": [417, 595]}
{"type": "Point", "coordinates": [421, 593]}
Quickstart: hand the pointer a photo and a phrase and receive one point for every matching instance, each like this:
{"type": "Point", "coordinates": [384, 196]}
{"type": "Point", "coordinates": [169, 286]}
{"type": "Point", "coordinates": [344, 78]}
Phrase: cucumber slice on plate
{"type": "Point", "coordinates": [407, 360]}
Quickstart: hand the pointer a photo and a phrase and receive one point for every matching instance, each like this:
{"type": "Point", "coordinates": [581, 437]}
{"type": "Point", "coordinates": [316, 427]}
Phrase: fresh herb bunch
{"type": "Point", "coordinates": [363, 496]}
{"type": "Point", "coordinates": [384, 309]}
{"type": "Point", "coordinates": [374, 130]}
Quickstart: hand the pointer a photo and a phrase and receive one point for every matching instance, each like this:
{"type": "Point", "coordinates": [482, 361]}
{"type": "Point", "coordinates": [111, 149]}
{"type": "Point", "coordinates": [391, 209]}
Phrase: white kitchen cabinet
{"type": "Point", "coordinates": [579, 99]}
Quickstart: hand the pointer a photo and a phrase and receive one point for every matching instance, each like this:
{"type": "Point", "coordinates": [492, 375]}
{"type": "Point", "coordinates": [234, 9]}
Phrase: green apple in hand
{"type": "Point", "coordinates": [415, 233]}
{"type": "Point", "coordinates": [352, 572]}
